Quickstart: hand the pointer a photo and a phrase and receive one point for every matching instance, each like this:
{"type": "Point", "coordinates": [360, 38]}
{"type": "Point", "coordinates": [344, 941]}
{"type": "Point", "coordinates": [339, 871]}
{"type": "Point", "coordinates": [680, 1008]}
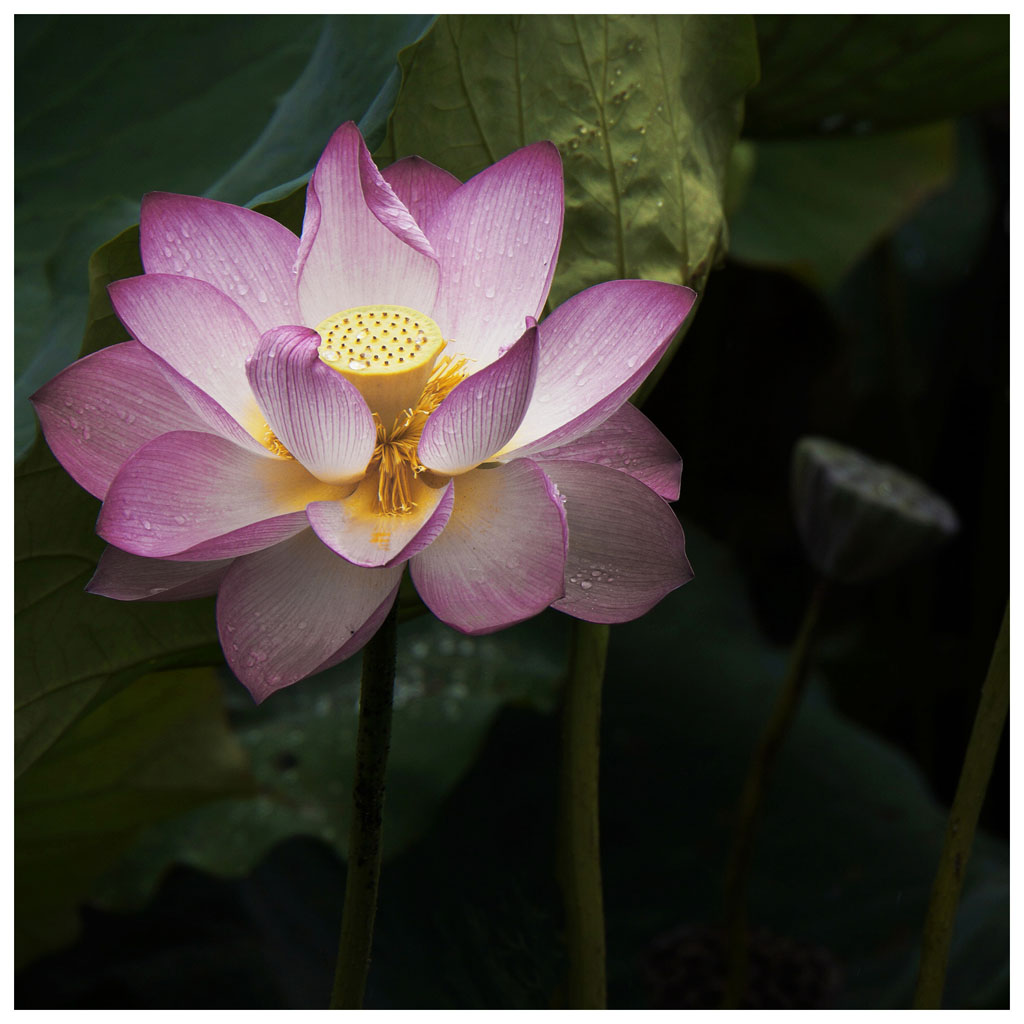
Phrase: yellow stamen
{"type": "Point", "coordinates": [395, 455]}
{"type": "Point", "coordinates": [269, 441]}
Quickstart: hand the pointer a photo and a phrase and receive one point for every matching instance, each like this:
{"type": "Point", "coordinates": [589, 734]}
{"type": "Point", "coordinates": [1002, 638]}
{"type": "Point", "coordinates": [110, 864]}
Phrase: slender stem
{"type": "Point", "coordinates": [738, 866]}
{"type": "Point", "coordinates": [963, 818]}
{"type": "Point", "coordinates": [579, 851]}
{"type": "Point", "coordinates": [364, 845]}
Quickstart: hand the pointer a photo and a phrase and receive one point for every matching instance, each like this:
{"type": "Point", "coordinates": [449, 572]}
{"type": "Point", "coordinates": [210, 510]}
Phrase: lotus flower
{"type": "Point", "coordinates": [298, 419]}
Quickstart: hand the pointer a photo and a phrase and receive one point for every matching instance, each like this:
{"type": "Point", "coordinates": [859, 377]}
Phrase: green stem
{"type": "Point", "coordinates": [738, 866]}
{"type": "Point", "coordinates": [579, 851]}
{"type": "Point", "coordinates": [364, 845]}
{"type": "Point", "coordinates": [963, 819]}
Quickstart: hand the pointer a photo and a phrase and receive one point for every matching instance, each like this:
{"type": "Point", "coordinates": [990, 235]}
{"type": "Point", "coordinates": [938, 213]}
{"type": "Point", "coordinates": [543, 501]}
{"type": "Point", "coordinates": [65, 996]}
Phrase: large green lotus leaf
{"type": "Point", "coordinates": [844, 858]}
{"type": "Point", "coordinates": [448, 689]}
{"type": "Point", "coordinates": [226, 106]}
{"type": "Point", "coordinates": [815, 206]}
{"type": "Point", "coordinates": [69, 645]}
{"type": "Point", "coordinates": [160, 746]}
{"type": "Point", "coordinates": [875, 72]}
{"type": "Point", "coordinates": [643, 108]}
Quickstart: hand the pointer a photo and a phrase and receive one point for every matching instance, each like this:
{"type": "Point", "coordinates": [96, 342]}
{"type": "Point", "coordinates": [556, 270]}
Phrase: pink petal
{"type": "Point", "coordinates": [246, 539]}
{"type": "Point", "coordinates": [316, 413]}
{"type": "Point", "coordinates": [629, 442]}
{"type": "Point", "coordinates": [128, 577]}
{"type": "Point", "coordinates": [420, 185]}
{"type": "Point", "coordinates": [360, 246]}
{"type": "Point", "coordinates": [356, 532]}
{"type": "Point", "coordinates": [292, 609]}
{"type": "Point", "coordinates": [248, 257]}
{"type": "Point", "coordinates": [198, 331]}
{"type": "Point", "coordinates": [497, 238]}
{"type": "Point", "coordinates": [483, 412]}
{"type": "Point", "coordinates": [501, 558]}
{"type": "Point", "coordinates": [98, 411]}
{"type": "Point", "coordinates": [595, 350]}
{"type": "Point", "coordinates": [210, 415]}
{"type": "Point", "coordinates": [626, 547]}
{"type": "Point", "coordinates": [185, 488]}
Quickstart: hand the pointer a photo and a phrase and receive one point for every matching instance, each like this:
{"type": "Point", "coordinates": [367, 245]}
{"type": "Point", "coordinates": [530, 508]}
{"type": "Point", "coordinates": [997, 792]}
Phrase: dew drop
{"type": "Point", "coordinates": [168, 251]}
{"type": "Point", "coordinates": [261, 295]}
{"type": "Point", "coordinates": [489, 291]}
{"type": "Point", "coordinates": [243, 289]}
{"type": "Point", "coordinates": [146, 524]}
{"type": "Point", "coordinates": [180, 520]}
{"type": "Point", "coordinates": [586, 584]}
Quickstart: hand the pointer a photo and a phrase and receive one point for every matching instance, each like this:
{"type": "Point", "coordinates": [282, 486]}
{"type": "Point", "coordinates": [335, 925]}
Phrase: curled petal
{"type": "Point", "coordinates": [481, 413]}
{"type": "Point", "coordinates": [497, 238]}
{"type": "Point", "coordinates": [245, 255]}
{"type": "Point", "coordinates": [358, 533]}
{"type": "Point", "coordinates": [316, 413]}
{"type": "Point", "coordinates": [100, 410]}
{"type": "Point", "coordinates": [360, 245]}
{"type": "Point", "coordinates": [185, 488]}
{"type": "Point", "coordinates": [626, 547]}
{"type": "Point", "coordinates": [629, 442]}
{"type": "Point", "coordinates": [128, 577]}
{"type": "Point", "coordinates": [198, 331]}
{"type": "Point", "coordinates": [295, 608]}
{"type": "Point", "coordinates": [501, 558]}
{"type": "Point", "coordinates": [595, 349]}
{"type": "Point", "coordinates": [420, 185]}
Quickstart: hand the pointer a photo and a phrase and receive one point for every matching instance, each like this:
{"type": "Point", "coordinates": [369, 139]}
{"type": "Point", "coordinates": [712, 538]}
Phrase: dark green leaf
{"type": "Point", "coordinates": [875, 72]}
{"type": "Point", "coordinates": [71, 646]}
{"type": "Point", "coordinates": [644, 109]}
{"type": "Point", "coordinates": [815, 206]}
{"type": "Point", "coordinates": [302, 744]}
{"type": "Point", "coordinates": [157, 748]}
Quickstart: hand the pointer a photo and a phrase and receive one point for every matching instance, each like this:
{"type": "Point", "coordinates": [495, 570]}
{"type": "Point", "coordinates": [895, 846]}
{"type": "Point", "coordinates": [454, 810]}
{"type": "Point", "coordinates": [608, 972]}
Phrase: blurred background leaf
{"type": "Point", "coordinates": [157, 748]}
{"type": "Point", "coordinates": [869, 72]}
{"type": "Point", "coordinates": [449, 688]}
{"type": "Point", "coordinates": [225, 106]}
{"type": "Point", "coordinates": [814, 207]}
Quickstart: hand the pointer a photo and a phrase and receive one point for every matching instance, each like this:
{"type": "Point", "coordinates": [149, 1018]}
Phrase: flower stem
{"type": "Point", "coordinates": [963, 818]}
{"type": "Point", "coordinates": [579, 852]}
{"type": "Point", "coordinates": [738, 866]}
{"type": "Point", "coordinates": [364, 846]}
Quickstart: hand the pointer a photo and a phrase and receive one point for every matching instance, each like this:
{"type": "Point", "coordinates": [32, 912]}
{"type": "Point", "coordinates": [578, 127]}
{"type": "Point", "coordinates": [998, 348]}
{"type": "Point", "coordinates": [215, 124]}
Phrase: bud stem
{"type": "Point", "coordinates": [786, 706]}
{"type": "Point", "coordinates": [364, 846]}
{"type": "Point", "coordinates": [963, 818]}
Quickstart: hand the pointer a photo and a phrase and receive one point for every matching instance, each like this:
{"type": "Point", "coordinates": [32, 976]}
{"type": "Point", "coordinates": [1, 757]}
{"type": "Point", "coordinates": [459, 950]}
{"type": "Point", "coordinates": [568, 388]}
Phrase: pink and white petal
{"type": "Point", "coordinates": [100, 410]}
{"type": "Point", "coordinates": [497, 238]}
{"type": "Point", "coordinates": [629, 442]}
{"type": "Point", "coordinates": [286, 612]}
{"type": "Point", "coordinates": [626, 547]}
{"type": "Point", "coordinates": [126, 577]}
{"type": "Point", "coordinates": [211, 415]}
{"type": "Point", "coordinates": [318, 415]}
{"type": "Point", "coordinates": [184, 488]}
{"type": "Point", "coordinates": [248, 257]}
{"type": "Point", "coordinates": [501, 558]}
{"type": "Point", "coordinates": [595, 350]}
{"type": "Point", "coordinates": [362, 635]}
{"type": "Point", "coordinates": [482, 413]}
{"type": "Point", "coordinates": [360, 246]}
{"type": "Point", "coordinates": [198, 331]}
{"type": "Point", "coordinates": [246, 539]}
{"type": "Point", "coordinates": [358, 533]}
{"type": "Point", "coordinates": [421, 186]}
